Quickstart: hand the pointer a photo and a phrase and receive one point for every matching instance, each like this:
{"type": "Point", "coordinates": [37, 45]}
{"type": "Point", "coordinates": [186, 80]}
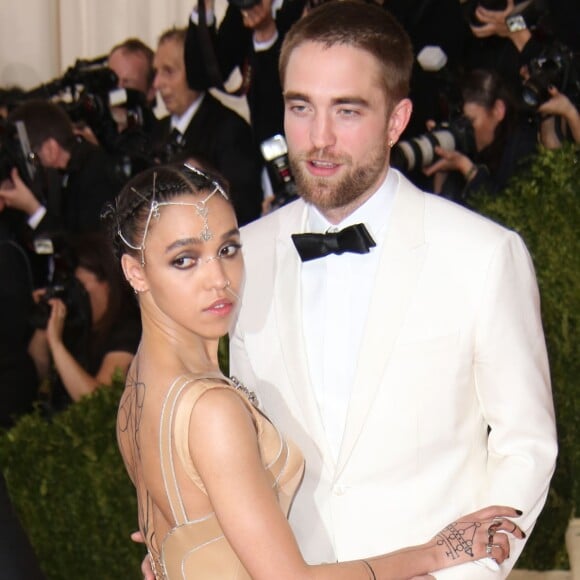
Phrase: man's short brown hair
{"type": "Point", "coordinates": [361, 25]}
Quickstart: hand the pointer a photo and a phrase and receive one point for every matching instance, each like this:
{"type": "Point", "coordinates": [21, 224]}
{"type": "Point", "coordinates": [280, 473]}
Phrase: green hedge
{"type": "Point", "coordinates": [71, 491]}
{"type": "Point", "coordinates": [70, 488]}
{"type": "Point", "coordinates": [78, 506]}
{"type": "Point", "coordinates": [543, 205]}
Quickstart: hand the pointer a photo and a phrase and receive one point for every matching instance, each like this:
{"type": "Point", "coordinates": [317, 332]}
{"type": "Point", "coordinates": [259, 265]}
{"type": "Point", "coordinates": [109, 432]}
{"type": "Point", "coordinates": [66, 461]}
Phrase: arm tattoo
{"type": "Point", "coordinates": [458, 538]}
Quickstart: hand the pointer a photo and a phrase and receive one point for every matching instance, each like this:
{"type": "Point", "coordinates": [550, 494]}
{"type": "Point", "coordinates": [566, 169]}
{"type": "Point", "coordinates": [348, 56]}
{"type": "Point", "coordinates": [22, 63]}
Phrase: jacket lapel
{"type": "Point", "coordinates": [288, 311]}
{"type": "Point", "coordinates": [401, 261]}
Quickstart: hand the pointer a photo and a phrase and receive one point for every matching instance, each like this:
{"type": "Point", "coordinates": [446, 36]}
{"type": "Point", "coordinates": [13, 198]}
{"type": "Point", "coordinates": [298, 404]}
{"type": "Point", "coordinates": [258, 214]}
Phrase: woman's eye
{"type": "Point", "coordinates": [229, 251]}
{"type": "Point", "coordinates": [184, 262]}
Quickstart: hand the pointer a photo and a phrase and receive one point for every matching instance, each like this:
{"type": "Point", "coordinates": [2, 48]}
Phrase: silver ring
{"type": "Point", "coordinates": [489, 548]}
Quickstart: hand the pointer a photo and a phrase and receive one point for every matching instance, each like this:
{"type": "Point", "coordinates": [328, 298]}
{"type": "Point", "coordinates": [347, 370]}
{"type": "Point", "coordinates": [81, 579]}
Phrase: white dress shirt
{"type": "Point", "coordinates": [336, 292]}
{"type": "Point", "coordinates": [181, 123]}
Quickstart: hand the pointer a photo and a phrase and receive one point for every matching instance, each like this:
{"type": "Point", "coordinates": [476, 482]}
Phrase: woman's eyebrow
{"type": "Point", "coordinates": [197, 241]}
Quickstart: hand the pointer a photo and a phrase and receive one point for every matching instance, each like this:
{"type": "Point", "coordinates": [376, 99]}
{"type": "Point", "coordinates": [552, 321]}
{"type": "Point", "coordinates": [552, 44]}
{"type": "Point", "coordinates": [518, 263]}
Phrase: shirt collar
{"type": "Point", "coordinates": [374, 212]}
{"type": "Point", "coordinates": [181, 123]}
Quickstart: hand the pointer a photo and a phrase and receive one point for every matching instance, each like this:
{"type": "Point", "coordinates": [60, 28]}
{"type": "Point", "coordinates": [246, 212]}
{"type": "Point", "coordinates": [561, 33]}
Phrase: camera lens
{"type": "Point", "coordinates": [532, 95]}
{"type": "Point", "coordinates": [420, 151]}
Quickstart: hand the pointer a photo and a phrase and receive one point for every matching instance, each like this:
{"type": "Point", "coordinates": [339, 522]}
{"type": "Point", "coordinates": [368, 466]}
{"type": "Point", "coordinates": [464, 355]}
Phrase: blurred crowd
{"type": "Point", "coordinates": [493, 81]}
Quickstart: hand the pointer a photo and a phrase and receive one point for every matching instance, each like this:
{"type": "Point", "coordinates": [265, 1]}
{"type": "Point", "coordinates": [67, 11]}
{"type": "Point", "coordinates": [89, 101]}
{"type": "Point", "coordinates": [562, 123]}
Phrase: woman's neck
{"type": "Point", "coordinates": [181, 350]}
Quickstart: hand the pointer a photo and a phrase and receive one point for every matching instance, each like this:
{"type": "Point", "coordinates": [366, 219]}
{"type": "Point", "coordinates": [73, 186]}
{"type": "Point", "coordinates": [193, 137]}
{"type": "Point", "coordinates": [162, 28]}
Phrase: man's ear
{"type": "Point", "coordinates": [499, 110]}
{"type": "Point", "coordinates": [134, 273]}
{"type": "Point", "coordinates": [398, 120]}
{"type": "Point", "coordinates": [50, 151]}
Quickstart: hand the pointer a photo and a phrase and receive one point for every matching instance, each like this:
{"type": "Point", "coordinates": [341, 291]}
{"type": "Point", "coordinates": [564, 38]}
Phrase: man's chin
{"type": "Point", "coordinates": [318, 194]}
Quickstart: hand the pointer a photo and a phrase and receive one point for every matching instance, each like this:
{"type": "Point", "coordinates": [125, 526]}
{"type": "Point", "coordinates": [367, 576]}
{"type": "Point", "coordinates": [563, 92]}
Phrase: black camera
{"type": "Point", "coordinates": [556, 66]}
{"type": "Point", "coordinates": [86, 92]}
{"type": "Point", "coordinates": [63, 284]}
{"type": "Point", "coordinates": [15, 152]}
{"type": "Point", "coordinates": [275, 152]}
{"type": "Point", "coordinates": [456, 135]}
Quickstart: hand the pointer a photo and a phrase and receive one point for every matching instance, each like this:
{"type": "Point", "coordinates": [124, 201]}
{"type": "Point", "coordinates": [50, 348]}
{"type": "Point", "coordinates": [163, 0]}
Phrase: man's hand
{"type": "Point", "coordinates": [15, 193]}
{"type": "Point", "coordinates": [492, 21]}
{"type": "Point", "coordinates": [259, 18]}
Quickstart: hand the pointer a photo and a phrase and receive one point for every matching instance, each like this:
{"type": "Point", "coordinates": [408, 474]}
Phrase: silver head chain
{"type": "Point", "coordinates": [200, 209]}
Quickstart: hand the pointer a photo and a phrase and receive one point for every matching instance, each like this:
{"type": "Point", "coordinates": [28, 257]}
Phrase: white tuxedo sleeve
{"type": "Point", "coordinates": [513, 387]}
{"type": "Point", "coordinates": [240, 366]}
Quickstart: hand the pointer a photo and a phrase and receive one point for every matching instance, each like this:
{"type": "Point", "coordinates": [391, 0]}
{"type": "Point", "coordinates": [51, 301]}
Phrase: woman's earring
{"type": "Point", "coordinates": [135, 290]}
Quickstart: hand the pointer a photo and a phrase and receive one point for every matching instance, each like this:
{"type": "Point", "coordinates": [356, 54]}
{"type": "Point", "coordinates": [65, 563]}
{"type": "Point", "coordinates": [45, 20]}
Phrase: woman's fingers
{"type": "Point", "coordinates": [491, 529]}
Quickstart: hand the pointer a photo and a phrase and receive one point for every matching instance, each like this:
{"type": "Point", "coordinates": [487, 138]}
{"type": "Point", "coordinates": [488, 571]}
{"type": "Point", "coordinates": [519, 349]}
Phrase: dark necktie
{"type": "Point", "coordinates": [354, 239]}
{"type": "Point", "coordinates": [175, 137]}
{"type": "Point", "coordinates": [172, 147]}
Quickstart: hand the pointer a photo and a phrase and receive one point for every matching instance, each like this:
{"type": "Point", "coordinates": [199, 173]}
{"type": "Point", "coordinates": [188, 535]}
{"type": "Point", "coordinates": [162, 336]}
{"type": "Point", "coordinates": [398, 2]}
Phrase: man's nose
{"type": "Point", "coordinates": [322, 131]}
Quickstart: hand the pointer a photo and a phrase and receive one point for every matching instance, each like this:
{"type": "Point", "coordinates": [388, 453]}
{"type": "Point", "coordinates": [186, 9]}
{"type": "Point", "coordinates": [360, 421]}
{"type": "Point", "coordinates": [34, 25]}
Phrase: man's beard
{"type": "Point", "coordinates": [331, 192]}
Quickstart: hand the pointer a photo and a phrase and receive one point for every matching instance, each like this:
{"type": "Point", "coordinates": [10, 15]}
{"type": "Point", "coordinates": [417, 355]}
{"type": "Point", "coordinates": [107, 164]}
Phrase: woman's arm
{"type": "Point", "coordinates": [225, 450]}
{"type": "Point", "coordinates": [560, 105]}
{"type": "Point", "coordinates": [39, 351]}
{"type": "Point", "coordinates": [76, 380]}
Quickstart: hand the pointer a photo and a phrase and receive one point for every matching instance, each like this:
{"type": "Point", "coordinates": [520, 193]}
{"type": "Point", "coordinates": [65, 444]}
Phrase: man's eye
{"type": "Point", "coordinates": [229, 251]}
{"type": "Point", "coordinates": [298, 109]}
{"type": "Point", "coordinates": [348, 112]}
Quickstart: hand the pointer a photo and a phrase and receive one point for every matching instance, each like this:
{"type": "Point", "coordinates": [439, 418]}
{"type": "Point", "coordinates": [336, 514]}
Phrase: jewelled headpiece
{"type": "Point", "coordinates": [200, 209]}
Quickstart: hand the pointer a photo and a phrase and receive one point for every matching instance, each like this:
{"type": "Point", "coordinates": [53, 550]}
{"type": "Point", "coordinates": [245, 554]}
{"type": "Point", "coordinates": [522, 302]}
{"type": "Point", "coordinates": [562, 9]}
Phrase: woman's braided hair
{"type": "Point", "coordinates": [127, 215]}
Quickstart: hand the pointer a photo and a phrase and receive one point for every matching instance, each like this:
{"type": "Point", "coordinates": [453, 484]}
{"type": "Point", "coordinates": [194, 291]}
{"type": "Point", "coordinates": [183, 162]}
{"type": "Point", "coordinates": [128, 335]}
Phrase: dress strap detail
{"type": "Point", "coordinates": [166, 449]}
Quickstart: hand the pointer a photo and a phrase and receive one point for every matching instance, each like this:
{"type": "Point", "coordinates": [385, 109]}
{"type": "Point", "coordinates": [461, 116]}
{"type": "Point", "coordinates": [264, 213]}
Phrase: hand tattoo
{"type": "Point", "coordinates": [458, 538]}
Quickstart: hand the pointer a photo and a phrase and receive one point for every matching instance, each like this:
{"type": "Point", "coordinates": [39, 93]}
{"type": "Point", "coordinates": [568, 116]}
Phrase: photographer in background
{"type": "Point", "coordinates": [200, 126]}
{"type": "Point", "coordinates": [132, 62]}
{"type": "Point", "coordinates": [249, 38]}
{"type": "Point", "coordinates": [560, 120]}
{"type": "Point", "coordinates": [93, 355]}
{"type": "Point", "coordinates": [505, 34]}
{"type": "Point", "coordinates": [503, 141]}
{"type": "Point", "coordinates": [132, 106]}
{"type": "Point", "coordinates": [551, 89]}
{"type": "Point", "coordinates": [85, 176]}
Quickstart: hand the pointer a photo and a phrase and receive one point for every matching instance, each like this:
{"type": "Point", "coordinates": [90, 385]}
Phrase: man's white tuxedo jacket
{"type": "Point", "coordinates": [451, 408]}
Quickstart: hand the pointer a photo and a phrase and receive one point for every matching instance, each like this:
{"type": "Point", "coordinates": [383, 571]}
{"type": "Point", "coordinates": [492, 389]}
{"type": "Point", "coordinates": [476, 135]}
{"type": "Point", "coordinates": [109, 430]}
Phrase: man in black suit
{"type": "Point", "coordinates": [84, 176]}
{"type": "Point", "coordinates": [132, 62]}
{"type": "Point", "coordinates": [249, 39]}
{"type": "Point", "coordinates": [74, 180]}
{"type": "Point", "coordinates": [200, 126]}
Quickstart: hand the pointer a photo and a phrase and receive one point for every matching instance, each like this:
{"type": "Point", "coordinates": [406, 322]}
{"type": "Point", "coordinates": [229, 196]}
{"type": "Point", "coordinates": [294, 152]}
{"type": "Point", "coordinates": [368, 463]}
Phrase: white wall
{"type": "Point", "coordinates": [40, 39]}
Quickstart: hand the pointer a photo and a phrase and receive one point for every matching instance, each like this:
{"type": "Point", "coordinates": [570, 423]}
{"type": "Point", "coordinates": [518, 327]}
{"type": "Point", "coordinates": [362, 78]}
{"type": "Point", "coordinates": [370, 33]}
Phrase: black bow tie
{"type": "Point", "coordinates": [354, 239]}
